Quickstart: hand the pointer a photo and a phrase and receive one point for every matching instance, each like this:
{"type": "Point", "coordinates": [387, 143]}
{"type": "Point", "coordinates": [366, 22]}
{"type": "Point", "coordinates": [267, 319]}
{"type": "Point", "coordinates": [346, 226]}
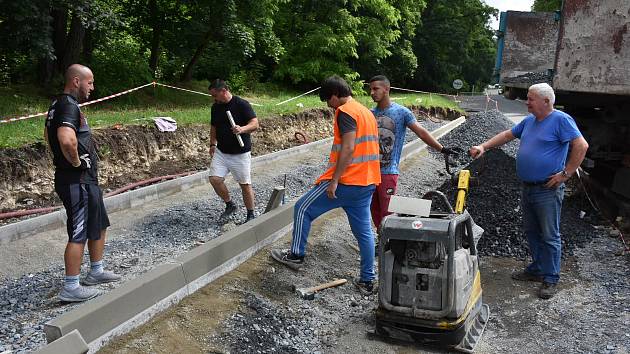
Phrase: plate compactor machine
{"type": "Point", "coordinates": [429, 282]}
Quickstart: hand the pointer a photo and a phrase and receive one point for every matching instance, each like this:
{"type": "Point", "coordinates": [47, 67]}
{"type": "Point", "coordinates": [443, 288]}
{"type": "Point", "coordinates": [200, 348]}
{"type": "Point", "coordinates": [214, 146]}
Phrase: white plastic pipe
{"type": "Point", "coordinates": [238, 137]}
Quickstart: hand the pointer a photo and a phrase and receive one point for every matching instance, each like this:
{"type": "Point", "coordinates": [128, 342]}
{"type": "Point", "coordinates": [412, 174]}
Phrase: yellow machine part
{"type": "Point", "coordinates": [462, 191]}
{"type": "Point", "coordinates": [474, 298]}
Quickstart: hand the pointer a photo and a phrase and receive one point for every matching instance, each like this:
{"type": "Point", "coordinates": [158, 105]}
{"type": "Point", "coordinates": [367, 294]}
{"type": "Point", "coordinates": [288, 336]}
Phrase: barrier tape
{"type": "Point", "coordinates": [22, 118]}
{"type": "Point", "coordinates": [154, 83]}
{"type": "Point", "coordinates": [488, 100]}
{"type": "Point", "coordinates": [304, 94]}
{"type": "Point", "coordinates": [80, 105]}
{"type": "Point", "coordinates": [425, 92]}
{"type": "Point", "coordinates": [197, 92]}
{"type": "Point", "coordinates": [115, 95]}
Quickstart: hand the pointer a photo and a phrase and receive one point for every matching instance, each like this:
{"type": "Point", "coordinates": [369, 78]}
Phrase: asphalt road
{"type": "Point", "coordinates": [515, 110]}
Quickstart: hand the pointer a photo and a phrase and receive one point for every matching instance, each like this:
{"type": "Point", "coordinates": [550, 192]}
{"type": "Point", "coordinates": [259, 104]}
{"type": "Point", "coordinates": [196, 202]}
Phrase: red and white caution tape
{"type": "Point", "coordinates": [116, 94]}
{"type": "Point", "coordinates": [197, 92]}
{"type": "Point", "coordinates": [425, 92]}
{"type": "Point", "coordinates": [488, 100]}
{"type": "Point", "coordinates": [293, 98]}
{"type": "Point", "coordinates": [80, 105]}
{"type": "Point", "coordinates": [9, 120]}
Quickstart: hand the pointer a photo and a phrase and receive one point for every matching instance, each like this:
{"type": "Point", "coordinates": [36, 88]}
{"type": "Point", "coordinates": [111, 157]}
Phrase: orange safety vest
{"type": "Point", "coordinates": [364, 168]}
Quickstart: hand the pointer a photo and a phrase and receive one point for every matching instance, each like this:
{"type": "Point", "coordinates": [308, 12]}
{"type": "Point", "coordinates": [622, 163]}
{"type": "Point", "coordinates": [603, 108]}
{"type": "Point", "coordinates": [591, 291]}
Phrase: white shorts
{"type": "Point", "coordinates": [238, 164]}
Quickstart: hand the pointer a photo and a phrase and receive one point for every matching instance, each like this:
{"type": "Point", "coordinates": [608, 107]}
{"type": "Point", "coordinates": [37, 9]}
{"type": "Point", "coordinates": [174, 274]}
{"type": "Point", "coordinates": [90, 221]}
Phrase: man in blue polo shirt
{"type": "Point", "coordinates": [547, 137]}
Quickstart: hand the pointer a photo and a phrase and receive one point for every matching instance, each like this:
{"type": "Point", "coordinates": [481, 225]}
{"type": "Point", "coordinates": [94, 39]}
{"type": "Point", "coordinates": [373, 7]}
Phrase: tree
{"type": "Point", "coordinates": [48, 34]}
{"type": "Point", "coordinates": [21, 25]}
{"type": "Point", "coordinates": [454, 41]}
{"type": "Point", "coordinates": [385, 47]}
{"type": "Point", "coordinates": [426, 43]}
{"type": "Point", "coordinates": [344, 37]}
{"type": "Point", "coordinates": [153, 22]}
{"type": "Point", "coordinates": [547, 5]}
{"type": "Point", "coordinates": [239, 42]}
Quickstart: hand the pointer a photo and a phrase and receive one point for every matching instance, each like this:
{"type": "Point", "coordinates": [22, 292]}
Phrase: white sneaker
{"type": "Point", "coordinates": [77, 294]}
{"type": "Point", "coordinates": [105, 276]}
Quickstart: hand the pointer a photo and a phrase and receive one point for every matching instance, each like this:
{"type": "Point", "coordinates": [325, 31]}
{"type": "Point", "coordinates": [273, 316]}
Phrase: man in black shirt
{"type": "Point", "coordinates": [230, 146]}
{"type": "Point", "coordinates": [76, 182]}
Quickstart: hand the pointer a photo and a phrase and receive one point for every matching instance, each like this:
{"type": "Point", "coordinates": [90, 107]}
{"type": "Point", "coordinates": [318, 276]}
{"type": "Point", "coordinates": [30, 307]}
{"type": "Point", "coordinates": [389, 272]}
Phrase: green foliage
{"type": "Point", "coordinates": [420, 43]}
{"type": "Point", "coordinates": [454, 41]}
{"type": "Point", "coordinates": [547, 5]}
{"type": "Point", "coordinates": [118, 65]}
{"type": "Point", "coordinates": [20, 44]}
{"type": "Point", "coordinates": [318, 43]}
{"type": "Point", "coordinates": [345, 37]}
{"type": "Point", "coordinates": [386, 42]}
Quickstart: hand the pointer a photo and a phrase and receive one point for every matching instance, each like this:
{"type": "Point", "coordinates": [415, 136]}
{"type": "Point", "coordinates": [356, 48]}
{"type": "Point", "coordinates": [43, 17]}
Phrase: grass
{"type": "Point", "coordinates": [186, 108]}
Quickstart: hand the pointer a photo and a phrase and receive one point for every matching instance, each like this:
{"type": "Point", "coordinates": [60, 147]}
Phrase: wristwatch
{"type": "Point", "coordinates": [566, 174]}
{"type": "Point", "coordinates": [211, 145]}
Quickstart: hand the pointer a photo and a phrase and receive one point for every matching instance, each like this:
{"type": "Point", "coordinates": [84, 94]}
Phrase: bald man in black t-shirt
{"type": "Point", "coordinates": [76, 182]}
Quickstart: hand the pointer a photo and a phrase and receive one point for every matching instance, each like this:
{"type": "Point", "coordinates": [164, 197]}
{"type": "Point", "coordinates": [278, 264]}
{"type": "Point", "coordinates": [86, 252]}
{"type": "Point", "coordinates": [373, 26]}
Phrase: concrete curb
{"type": "Point", "coordinates": [56, 219]}
{"type": "Point", "coordinates": [418, 145]}
{"type": "Point", "coordinates": [71, 343]}
{"type": "Point", "coordinates": [137, 301]}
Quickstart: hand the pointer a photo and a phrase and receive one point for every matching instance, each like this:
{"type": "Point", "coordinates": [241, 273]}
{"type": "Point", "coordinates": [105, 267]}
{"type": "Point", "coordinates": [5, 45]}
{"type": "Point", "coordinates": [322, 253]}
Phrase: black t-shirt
{"type": "Point", "coordinates": [346, 123]}
{"type": "Point", "coordinates": [242, 113]}
{"type": "Point", "coordinates": [65, 112]}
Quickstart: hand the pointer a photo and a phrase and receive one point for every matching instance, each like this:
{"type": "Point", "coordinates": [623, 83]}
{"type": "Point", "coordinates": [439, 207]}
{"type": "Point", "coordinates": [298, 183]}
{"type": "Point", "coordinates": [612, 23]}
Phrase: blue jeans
{"type": "Point", "coordinates": [541, 223]}
{"type": "Point", "coordinates": [355, 201]}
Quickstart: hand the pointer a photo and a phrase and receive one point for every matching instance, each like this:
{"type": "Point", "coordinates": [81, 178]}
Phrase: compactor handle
{"type": "Point", "coordinates": [440, 195]}
{"type": "Point", "coordinates": [447, 159]}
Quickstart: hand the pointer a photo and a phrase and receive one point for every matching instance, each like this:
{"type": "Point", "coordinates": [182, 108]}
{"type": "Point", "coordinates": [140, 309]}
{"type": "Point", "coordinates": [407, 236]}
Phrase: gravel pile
{"type": "Point", "coordinates": [530, 78]}
{"type": "Point", "coordinates": [495, 194]}
{"type": "Point", "coordinates": [494, 203]}
{"type": "Point", "coordinates": [265, 329]}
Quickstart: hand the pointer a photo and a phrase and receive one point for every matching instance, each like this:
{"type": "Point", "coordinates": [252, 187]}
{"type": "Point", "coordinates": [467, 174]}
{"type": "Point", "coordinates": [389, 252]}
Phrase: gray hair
{"type": "Point", "coordinates": [545, 91]}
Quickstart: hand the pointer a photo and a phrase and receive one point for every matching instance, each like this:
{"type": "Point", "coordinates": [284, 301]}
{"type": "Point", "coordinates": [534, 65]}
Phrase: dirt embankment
{"type": "Point", "coordinates": [136, 152]}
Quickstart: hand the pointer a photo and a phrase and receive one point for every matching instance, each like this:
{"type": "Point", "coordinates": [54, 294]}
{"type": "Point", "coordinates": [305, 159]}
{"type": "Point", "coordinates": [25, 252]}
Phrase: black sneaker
{"type": "Point", "coordinates": [526, 276]}
{"type": "Point", "coordinates": [230, 209]}
{"type": "Point", "coordinates": [287, 258]}
{"type": "Point", "coordinates": [366, 288]}
{"type": "Point", "coordinates": [250, 217]}
{"type": "Point", "coordinates": [547, 290]}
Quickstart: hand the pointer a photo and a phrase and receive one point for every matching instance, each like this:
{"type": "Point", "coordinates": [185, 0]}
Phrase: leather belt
{"type": "Point", "coordinates": [533, 184]}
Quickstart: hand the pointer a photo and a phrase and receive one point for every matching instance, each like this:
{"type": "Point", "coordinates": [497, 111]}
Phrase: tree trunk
{"type": "Point", "coordinates": [49, 66]}
{"type": "Point", "coordinates": [46, 69]}
{"type": "Point", "coordinates": [60, 24]}
{"type": "Point", "coordinates": [156, 22]}
{"type": "Point", "coordinates": [73, 42]}
{"type": "Point", "coordinates": [88, 45]}
{"type": "Point", "coordinates": [187, 75]}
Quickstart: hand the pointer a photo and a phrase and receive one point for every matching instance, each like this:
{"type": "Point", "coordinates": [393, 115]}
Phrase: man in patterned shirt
{"type": "Point", "coordinates": [393, 120]}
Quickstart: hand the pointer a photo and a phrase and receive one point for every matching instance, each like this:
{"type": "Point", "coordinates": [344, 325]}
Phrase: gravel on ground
{"type": "Point", "coordinates": [254, 310]}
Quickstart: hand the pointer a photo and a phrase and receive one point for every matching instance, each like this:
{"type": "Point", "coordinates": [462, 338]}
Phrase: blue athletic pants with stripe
{"type": "Point", "coordinates": [355, 201]}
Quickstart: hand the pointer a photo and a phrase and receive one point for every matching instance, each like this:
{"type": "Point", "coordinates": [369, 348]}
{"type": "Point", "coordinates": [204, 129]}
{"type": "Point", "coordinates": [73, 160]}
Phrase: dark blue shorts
{"type": "Point", "coordinates": [85, 209]}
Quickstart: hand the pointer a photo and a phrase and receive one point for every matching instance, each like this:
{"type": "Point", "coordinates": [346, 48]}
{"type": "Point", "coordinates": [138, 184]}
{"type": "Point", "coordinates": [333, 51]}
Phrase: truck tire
{"type": "Point", "coordinates": [510, 93]}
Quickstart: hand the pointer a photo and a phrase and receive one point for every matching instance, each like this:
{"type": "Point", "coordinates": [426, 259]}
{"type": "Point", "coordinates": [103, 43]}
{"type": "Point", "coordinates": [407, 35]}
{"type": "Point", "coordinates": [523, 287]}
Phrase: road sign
{"type": "Point", "coordinates": [457, 84]}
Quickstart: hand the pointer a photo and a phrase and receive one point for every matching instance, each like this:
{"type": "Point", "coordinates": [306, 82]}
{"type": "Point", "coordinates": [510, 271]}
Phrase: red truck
{"type": "Point", "coordinates": [583, 52]}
